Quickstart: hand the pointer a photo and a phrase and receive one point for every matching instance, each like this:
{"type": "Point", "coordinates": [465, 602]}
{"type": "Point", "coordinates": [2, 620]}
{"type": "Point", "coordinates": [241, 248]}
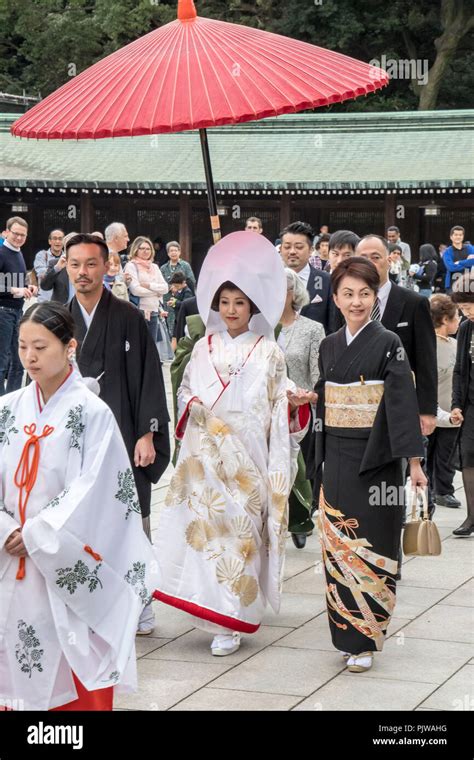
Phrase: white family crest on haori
{"type": "Point", "coordinates": [90, 568]}
{"type": "Point", "coordinates": [221, 534]}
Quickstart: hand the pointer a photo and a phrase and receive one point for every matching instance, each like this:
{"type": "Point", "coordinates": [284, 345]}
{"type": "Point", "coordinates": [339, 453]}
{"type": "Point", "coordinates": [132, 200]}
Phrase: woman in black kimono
{"type": "Point", "coordinates": [369, 423]}
{"type": "Point", "coordinates": [463, 393]}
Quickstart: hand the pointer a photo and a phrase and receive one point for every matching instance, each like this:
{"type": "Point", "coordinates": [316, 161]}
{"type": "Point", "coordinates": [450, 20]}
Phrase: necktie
{"type": "Point", "coordinates": [376, 314]}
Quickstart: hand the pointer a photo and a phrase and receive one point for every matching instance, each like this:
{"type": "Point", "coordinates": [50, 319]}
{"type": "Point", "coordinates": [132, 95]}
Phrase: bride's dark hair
{"type": "Point", "coordinates": [230, 286]}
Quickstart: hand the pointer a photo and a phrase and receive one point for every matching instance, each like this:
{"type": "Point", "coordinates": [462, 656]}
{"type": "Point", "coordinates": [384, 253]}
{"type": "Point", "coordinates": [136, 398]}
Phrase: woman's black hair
{"type": "Point", "coordinates": [395, 247]}
{"type": "Point", "coordinates": [54, 316]}
{"type": "Point", "coordinates": [358, 267]}
{"type": "Point", "coordinates": [230, 286]}
{"type": "Point", "coordinates": [428, 253]}
{"type": "Point", "coordinates": [324, 238]}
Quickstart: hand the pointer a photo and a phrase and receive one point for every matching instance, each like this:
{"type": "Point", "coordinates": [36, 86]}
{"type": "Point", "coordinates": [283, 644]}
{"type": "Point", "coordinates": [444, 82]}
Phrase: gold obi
{"type": "Point", "coordinates": [353, 405]}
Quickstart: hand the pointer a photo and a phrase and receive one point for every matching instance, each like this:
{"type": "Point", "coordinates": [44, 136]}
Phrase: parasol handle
{"type": "Point", "coordinates": [186, 10]}
{"type": "Point", "coordinates": [211, 191]}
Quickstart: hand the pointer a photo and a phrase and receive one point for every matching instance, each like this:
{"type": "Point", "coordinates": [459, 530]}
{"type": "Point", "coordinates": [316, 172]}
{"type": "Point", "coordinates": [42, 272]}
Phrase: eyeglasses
{"type": "Point", "coordinates": [19, 234]}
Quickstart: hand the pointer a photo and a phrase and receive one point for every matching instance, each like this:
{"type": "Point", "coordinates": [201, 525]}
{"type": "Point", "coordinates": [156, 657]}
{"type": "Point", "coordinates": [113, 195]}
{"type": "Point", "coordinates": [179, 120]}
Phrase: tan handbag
{"type": "Point", "coordinates": [421, 537]}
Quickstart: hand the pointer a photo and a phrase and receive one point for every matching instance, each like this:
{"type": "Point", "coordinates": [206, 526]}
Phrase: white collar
{"type": "Point", "coordinates": [74, 376]}
{"type": "Point", "coordinates": [350, 338]}
{"type": "Point", "coordinates": [384, 289]}
{"type": "Point", "coordinates": [11, 247]}
{"type": "Point", "coordinates": [85, 314]}
{"type": "Point", "coordinates": [383, 294]}
{"type": "Point", "coordinates": [305, 272]}
{"type": "Point", "coordinates": [242, 338]}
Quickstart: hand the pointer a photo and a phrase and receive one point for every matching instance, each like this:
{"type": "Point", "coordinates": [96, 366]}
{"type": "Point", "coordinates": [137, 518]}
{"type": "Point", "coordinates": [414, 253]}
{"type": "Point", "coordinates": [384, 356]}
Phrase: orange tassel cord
{"type": "Point", "coordinates": [25, 476]}
{"type": "Point", "coordinates": [94, 554]}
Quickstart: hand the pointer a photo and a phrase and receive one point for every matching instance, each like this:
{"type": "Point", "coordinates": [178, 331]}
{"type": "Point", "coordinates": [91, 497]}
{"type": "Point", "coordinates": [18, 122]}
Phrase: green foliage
{"type": "Point", "coordinates": [45, 42]}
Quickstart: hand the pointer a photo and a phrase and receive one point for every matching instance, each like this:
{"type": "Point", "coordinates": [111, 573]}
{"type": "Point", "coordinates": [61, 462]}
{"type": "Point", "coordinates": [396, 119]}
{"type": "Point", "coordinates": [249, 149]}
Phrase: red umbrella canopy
{"type": "Point", "coordinates": [195, 73]}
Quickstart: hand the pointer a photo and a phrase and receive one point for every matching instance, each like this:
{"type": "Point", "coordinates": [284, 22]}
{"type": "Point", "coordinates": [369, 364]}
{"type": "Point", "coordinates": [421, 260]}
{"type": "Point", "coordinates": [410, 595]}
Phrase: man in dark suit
{"type": "Point", "coordinates": [342, 245]}
{"type": "Point", "coordinates": [296, 248]}
{"type": "Point", "coordinates": [57, 280]}
{"type": "Point", "coordinates": [407, 314]}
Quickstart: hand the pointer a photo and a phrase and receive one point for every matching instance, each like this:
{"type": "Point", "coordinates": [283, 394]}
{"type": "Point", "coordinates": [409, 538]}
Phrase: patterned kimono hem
{"type": "Point", "coordinates": [202, 612]}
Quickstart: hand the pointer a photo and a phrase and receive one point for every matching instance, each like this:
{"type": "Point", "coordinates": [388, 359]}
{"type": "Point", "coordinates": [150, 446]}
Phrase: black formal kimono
{"type": "Point", "coordinates": [364, 431]}
{"type": "Point", "coordinates": [119, 345]}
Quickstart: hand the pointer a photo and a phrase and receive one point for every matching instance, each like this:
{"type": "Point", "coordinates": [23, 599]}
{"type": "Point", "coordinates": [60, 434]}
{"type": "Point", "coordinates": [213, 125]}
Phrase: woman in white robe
{"type": "Point", "coordinates": [76, 568]}
{"type": "Point", "coordinates": [222, 531]}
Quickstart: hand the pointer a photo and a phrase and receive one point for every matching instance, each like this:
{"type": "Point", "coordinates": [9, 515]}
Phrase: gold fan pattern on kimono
{"type": "Point", "coordinates": [279, 490]}
{"type": "Point", "coordinates": [232, 543]}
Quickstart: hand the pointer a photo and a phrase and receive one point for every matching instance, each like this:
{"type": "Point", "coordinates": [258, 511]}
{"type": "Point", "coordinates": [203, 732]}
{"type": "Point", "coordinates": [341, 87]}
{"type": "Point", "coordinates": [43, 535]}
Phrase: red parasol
{"type": "Point", "coordinates": [195, 73]}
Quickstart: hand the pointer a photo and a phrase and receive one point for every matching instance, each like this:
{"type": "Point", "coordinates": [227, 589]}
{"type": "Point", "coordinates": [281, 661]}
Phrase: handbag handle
{"type": "Point", "coordinates": [415, 493]}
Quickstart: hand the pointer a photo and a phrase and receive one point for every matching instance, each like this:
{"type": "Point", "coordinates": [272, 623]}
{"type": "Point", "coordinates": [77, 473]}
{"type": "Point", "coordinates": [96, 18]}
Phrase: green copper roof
{"type": "Point", "coordinates": [318, 151]}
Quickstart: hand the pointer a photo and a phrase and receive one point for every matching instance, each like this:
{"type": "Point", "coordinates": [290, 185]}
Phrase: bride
{"type": "Point", "coordinates": [222, 531]}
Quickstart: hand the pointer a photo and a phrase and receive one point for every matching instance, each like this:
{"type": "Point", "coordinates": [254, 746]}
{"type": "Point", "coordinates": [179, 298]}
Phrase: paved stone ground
{"type": "Point", "coordinates": [290, 664]}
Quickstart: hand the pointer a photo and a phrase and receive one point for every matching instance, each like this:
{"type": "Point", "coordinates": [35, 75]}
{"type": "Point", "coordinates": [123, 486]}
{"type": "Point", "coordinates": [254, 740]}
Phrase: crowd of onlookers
{"type": "Point", "coordinates": [433, 271]}
{"type": "Point", "coordinates": [133, 275]}
{"type": "Point", "coordinates": [154, 277]}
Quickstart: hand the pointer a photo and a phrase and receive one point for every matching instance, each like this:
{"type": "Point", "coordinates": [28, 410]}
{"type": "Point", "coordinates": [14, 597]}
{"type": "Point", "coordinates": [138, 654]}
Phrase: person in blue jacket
{"type": "Point", "coordinates": [458, 257]}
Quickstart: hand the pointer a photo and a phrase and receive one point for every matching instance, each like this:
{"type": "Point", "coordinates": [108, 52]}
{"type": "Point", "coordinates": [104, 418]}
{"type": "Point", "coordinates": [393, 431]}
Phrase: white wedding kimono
{"type": "Point", "coordinates": [221, 534]}
{"type": "Point", "coordinates": [90, 568]}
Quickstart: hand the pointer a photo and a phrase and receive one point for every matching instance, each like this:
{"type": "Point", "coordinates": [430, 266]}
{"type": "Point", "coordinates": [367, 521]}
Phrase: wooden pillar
{"type": "Point", "coordinates": [87, 213]}
{"type": "Point", "coordinates": [285, 211]}
{"type": "Point", "coordinates": [389, 215]}
{"type": "Point", "coordinates": [185, 238]}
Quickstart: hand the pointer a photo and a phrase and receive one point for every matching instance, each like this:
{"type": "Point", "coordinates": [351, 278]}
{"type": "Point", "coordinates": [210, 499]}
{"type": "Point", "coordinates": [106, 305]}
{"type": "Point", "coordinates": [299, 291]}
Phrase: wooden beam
{"type": "Point", "coordinates": [389, 211]}
{"type": "Point", "coordinates": [87, 214]}
{"type": "Point", "coordinates": [285, 211]}
{"type": "Point", "coordinates": [185, 237]}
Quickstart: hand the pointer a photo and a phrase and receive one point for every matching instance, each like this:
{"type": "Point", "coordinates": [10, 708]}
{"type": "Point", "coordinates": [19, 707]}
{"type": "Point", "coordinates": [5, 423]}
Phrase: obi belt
{"type": "Point", "coordinates": [352, 405]}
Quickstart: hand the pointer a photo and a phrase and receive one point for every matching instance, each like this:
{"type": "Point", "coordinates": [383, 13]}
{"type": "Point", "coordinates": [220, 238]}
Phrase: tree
{"type": "Point", "coordinates": [44, 42]}
{"type": "Point", "coordinates": [457, 22]}
{"type": "Point", "coordinates": [50, 41]}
